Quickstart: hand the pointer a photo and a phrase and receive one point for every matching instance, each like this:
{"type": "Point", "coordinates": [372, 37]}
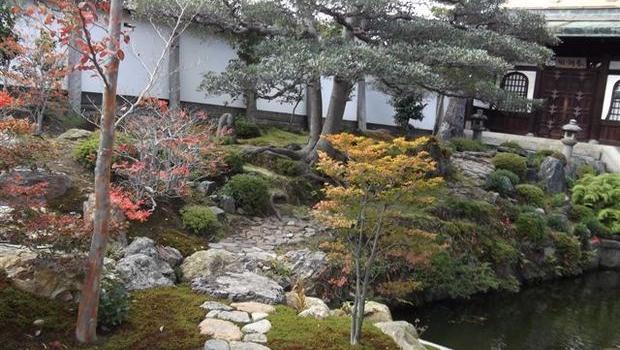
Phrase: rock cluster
{"type": "Point", "coordinates": [240, 326]}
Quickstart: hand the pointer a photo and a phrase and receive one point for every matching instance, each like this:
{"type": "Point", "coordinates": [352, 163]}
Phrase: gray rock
{"type": "Point", "coordinates": [609, 252]}
{"type": "Point", "coordinates": [220, 329]}
{"type": "Point", "coordinates": [236, 345]}
{"type": "Point", "coordinates": [141, 245]}
{"type": "Point", "coordinates": [257, 316]}
{"type": "Point", "coordinates": [216, 344]}
{"type": "Point", "coordinates": [214, 305]}
{"type": "Point", "coordinates": [552, 175]}
{"type": "Point", "coordinates": [240, 287]}
{"type": "Point", "coordinates": [219, 213]}
{"type": "Point", "coordinates": [233, 316]}
{"type": "Point", "coordinates": [262, 327]}
{"type": "Point", "coordinates": [141, 271]}
{"type": "Point", "coordinates": [75, 134]}
{"type": "Point", "coordinates": [228, 204]}
{"type": "Point", "coordinates": [57, 183]}
{"type": "Point", "coordinates": [170, 255]}
{"type": "Point", "coordinates": [403, 333]}
{"type": "Point", "coordinates": [205, 263]}
{"type": "Point", "coordinates": [306, 265]}
{"type": "Point", "coordinates": [206, 187]}
{"type": "Point", "coordinates": [6, 214]}
{"type": "Point", "coordinates": [255, 338]}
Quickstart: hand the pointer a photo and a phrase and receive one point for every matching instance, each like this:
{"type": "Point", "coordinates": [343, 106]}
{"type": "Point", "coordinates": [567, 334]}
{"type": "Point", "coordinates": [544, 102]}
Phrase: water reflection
{"type": "Point", "coordinates": [576, 314]}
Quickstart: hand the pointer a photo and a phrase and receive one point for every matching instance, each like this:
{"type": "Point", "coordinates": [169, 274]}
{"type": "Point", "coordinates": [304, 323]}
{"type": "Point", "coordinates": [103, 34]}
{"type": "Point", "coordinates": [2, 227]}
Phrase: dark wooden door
{"type": "Point", "coordinates": [568, 94]}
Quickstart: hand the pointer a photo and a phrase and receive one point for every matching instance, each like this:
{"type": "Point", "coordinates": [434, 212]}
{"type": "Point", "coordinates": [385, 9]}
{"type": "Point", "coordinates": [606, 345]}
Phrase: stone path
{"type": "Point", "coordinates": [238, 326]}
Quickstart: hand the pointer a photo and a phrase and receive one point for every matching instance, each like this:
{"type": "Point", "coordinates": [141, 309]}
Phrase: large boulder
{"type": "Point", "coordinates": [57, 183]}
{"type": "Point", "coordinates": [205, 263]}
{"type": "Point", "coordinates": [75, 134]}
{"type": "Point", "coordinates": [376, 312]}
{"type": "Point", "coordinates": [315, 308]}
{"type": "Point", "coordinates": [141, 271]}
{"type": "Point", "coordinates": [552, 175]}
{"type": "Point", "coordinates": [245, 286]}
{"type": "Point", "coordinates": [403, 333]}
{"type": "Point", "coordinates": [609, 252]}
{"type": "Point", "coordinates": [305, 265]}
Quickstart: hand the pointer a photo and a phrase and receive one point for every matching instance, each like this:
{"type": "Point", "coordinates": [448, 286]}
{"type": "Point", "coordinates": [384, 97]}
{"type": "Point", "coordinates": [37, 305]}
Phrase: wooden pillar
{"type": "Point", "coordinates": [599, 97]}
{"type": "Point", "coordinates": [361, 104]}
{"type": "Point", "coordinates": [74, 79]}
{"type": "Point", "coordinates": [174, 73]}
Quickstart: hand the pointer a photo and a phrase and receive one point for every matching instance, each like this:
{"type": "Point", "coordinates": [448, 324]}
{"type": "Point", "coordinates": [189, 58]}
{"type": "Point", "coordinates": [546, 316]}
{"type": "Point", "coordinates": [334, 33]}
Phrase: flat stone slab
{"type": "Point", "coordinates": [214, 305]}
{"type": "Point", "coordinates": [244, 286]}
{"type": "Point", "coordinates": [257, 316]}
{"type": "Point", "coordinates": [255, 338]}
{"type": "Point", "coordinates": [216, 344]}
{"type": "Point", "coordinates": [262, 327]}
{"type": "Point", "coordinates": [252, 306]}
{"type": "Point", "coordinates": [220, 329]}
{"type": "Point", "coordinates": [237, 345]}
{"type": "Point", "coordinates": [233, 316]}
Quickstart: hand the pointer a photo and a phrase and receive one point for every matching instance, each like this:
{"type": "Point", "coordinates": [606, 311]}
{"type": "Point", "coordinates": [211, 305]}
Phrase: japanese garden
{"type": "Point", "coordinates": [309, 174]}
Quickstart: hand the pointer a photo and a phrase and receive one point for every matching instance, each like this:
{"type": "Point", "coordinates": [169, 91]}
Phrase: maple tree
{"type": "Point", "coordinates": [369, 185]}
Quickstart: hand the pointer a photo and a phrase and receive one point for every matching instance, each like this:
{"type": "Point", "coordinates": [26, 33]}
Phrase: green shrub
{"type": "Point", "coordinates": [251, 193]}
{"type": "Point", "coordinates": [557, 200]}
{"type": "Point", "coordinates": [539, 156]}
{"type": "Point", "coordinates": [200, 220]}
{"type": "Point", "coordinates": [512, 162]}
{"type": "Point", "coordinates": [596, 227]}
{"type": "Point", "coordinates": [513, 145]}
{"type": "Point", "coordinates": [462, 144]}
{"type": "Point", "coordinates": [287, 167]}
{"type": "Point", "coordinates": [246, 129]}
{"type": "Point", "coordinates": [579, 213]}
{"type": "Point", "coordinates": [585, 169]}
{"type": "Point", "coordinates": [558, 222]}
{"type": "Point", "coordinates": [113, 302]}
{"type": "Point", "coordinates": [86, 150]}
{"type": "Point", "coordinates": [473, 210]}
{"type": "Point", "coordinates": [532, 226]}
{"type": "Point", "coordinates": [602, 194]}
{"type": "Point", "coordinates": [582, 232]}
{"type": "Point", "coordinates": [234, 161]}
{"type": "Point", "coordinates": [568, 251]}
{"type": "Point", "coordinates": [531, 195]}
{"type": "Point", "coordinates": [500, 182]}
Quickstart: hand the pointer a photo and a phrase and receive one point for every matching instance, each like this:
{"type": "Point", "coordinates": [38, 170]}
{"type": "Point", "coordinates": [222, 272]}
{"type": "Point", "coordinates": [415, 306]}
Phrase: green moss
{"type": "Point", "coordinates": [532, 226]}
{"type": "Point", "coordinates": [462, 144]}
{"type": "Point", "coordinates": [290, 332]}
{"type": "Point", "coordinates": [200, 220]}
{"type": "Point", "coordinates": [276, 137]}
{"type": "Point", "coordinates": [287, 167]}
{"type": "Point", "coordinates": [185, 243]}
{"type": "Point", "coordinates": [512, 162]}
{"type": "Point", "coordinates": [531, 195]}
{"type": "Point", "coordinates": [160, 319]}
{"type": "Point", "coordinates": [18, 311]}
{"type": "Point", "coordinates": [513, 145]}
{"type": "Point", "coordinates": [473, 210]}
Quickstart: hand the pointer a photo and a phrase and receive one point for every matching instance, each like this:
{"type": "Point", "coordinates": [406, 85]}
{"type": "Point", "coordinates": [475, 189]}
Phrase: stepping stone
{"type": "Point", "coordinates": [220, 329]}
{"type": "Point", "coordinates": [234, 316]}
{"type": "Point", "coordinates": [216, 344]}
{"type": "Point", "coordinates": [252, 306]}
{"type": "Point", "coordinates": [255, 338]}
{"type": "Point", "coordinates": [262, 327]}
{"type": "Point", "coordinates": [237, 345]}
{"type": "Point", "coordinates": [257, 316]}
{"type": "Point", "coordinates": [214, 305]}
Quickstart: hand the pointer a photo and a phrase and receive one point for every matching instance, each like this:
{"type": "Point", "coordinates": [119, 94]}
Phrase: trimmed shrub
{"type": "Point", "coordinates": [582, 232]}
{"type": "Point", "coordinates": [501, 181]}
{"type": "Point", "coordinates": [532, 226]}
{"type": "Point", "coordinates": [585, 169]}
{"type": "Point", "coordinates": [557, 200]}
{"type": "Point", "coordinates": [473, 210]}
{"type": "Point", "coordinates": [531, 195]}
{"type": "Point", "coordinates": [85, 152]}
{"type": "Point", "coordinates": [579, 213]}
{"type": "Point", "coordinates": [287, 167]}
{"type": "Point", "coordinates": [512, 162]}
{"type": "Point", "coordinates": [246, 129]}
{"type": "Point", "coordinates": [513, 145]}
{"type": "Point", "coordinates": [113, 302]}
{"type": "Point", "coordinates": [200, 220]}
{"type": "Point", "coordinates": [251, 193]}
{"type": "Point", "coordinates": [234, 161]}
{"type": "Point", "coordinates": [558, 222]}
{"type": "Point", "coordinates": [596, 227]}
{"type": "Point", "coordinates": [462, 144]}
{"type": "Point", "coordinates": [568, 250]}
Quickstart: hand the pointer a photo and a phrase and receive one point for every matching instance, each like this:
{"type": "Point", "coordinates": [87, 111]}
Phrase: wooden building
{"type": "Point", "coordinates": [581, 82]}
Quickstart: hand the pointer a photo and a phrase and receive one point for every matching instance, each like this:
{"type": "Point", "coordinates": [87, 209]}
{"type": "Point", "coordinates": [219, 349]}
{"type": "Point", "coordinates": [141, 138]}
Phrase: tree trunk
{"type": "Point", "coordinates": [250, 103]}
{"type": "Point", "coordinates": [174, 72]}
{"type": "Point", "coordinates": [361, 104]}
{"type": "Point", "coordinates": [315, 113]}
{"type": "Point", "coordinates": [86, 328]}
{"type": "Point", "coordinates": [453, 122]}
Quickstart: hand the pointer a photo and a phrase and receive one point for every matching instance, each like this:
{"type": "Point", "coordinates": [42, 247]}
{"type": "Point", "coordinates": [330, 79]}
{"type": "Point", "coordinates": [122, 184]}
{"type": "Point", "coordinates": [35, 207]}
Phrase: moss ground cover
{"type": "Point", "coordinates": [276, 137]}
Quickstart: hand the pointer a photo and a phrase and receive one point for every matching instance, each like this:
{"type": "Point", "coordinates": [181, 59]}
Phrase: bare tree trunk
{"type": "Point", "coordinates": [453, 121]}
{"type": "Point", "coordinates": [174, 72]}
{"type": "Point", "coordinates": [86, 328]}
{"type": "Point", "coordinates": [361, 104]}
{"type": "Point", "coordinates": [74, 79]}
{"type": "Point", "coordinates": [315, 113]}
{"type": "Point", "coordinates": [250, 105]}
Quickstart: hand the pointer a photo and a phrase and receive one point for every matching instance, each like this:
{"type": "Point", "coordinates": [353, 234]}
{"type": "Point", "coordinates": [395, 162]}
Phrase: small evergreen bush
{"type": "Point", "coordinates": [513, 145]}
{"type": "Point", "coordinates": [582, 232]}
{"type": "Point", "coordinates": [462, 144]}
{"type": "Point", "coordinates": [287, 167]}
{"type": "Point", "coordinates": [579, 213]}
{"type": "Point", "coordinates": [234, 162]}
{"type": "Point", "coordinates": [596, 227]}
{"type": "Point", "coordinates": [86, 150]}
{"type": "Point", "coordinates": [531, 195]}
{"type": "Point", "coordinates": [568, 250]}
{"type": "Point", "coordinates": [113, 302]}
{"type": "Point", "coordinates": [502, 181]}
{"type": "Point", "coordinates": [558, 222]}
{"type": "Point", "coordinates": [473, 210]}
{"type": "Point", "coordinates": [200, 220]}
{"type": "Point", "coordinates": [251, 193]}
{"type": "Point", "coordinates": [512, 162]}
{"type": "Point", "coordinates": [246, 129]}
{"type": "Point", "coordinates": [532, 226]}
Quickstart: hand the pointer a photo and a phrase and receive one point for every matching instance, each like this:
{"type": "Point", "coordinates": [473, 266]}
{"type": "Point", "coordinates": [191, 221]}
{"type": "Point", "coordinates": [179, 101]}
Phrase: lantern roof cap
{"type": "Point", "coordinates": [572, 126]}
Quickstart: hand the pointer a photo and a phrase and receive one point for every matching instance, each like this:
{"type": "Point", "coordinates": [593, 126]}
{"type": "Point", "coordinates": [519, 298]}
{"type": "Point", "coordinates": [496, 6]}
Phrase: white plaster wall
{"type": "Point", "coordinates": [609, 89]}
{"type": "Point", "coordinates": [141, 56]}
{"type": "Point", "coordinates": [531, 82]}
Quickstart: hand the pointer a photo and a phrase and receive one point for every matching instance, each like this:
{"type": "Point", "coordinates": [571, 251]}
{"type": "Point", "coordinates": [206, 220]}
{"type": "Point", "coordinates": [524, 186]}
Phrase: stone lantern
{"type": "Point", "coordinates": [569, 140]}
{"type": "Point", "coordinates": [477, 124]}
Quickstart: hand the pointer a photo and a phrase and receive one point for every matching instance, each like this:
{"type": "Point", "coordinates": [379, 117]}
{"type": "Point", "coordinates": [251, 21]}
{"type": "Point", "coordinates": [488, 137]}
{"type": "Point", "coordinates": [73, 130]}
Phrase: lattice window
{"type": "Point", "coordinates": [614, 108]}
{"type": "Point", "coordinates": [516, 83]}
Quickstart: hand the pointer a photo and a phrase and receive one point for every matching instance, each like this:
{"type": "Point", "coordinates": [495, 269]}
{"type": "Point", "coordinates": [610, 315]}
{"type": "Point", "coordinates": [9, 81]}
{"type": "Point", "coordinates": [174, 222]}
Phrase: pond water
{"type": "Point", "coordinates": [571, 314]}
